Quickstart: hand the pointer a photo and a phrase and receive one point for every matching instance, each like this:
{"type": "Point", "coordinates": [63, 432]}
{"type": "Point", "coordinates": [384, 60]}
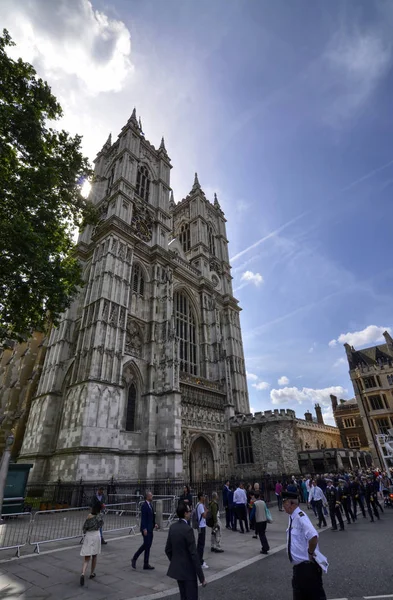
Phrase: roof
{"type": "Point", "coordinates": [370, 356]}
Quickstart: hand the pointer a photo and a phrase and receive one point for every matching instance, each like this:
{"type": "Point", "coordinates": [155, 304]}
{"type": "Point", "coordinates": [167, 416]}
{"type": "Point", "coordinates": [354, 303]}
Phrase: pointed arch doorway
{"type": "Point", "coordinates": [201, 461]}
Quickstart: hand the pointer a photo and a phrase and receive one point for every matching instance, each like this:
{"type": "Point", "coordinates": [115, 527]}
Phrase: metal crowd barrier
{"type": "Point", "coordinates": [14, 531]}
{"type": "Point", "coordinates": [57, 525]}
{"type": "Point", "coordinates": [121, 516]}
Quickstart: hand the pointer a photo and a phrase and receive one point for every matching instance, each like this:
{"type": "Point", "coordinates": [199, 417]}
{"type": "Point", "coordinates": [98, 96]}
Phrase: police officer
{"type": "Point", "coordinates": [344, 496]}
{"type": "Point", "coordinates": [356, 493]}
{"type": "Point", "coordinates": [334, 505]}
{"type": "Point", "coordinates": [302, 542]}
{"type": "Point", "coordinates": [370, 498]}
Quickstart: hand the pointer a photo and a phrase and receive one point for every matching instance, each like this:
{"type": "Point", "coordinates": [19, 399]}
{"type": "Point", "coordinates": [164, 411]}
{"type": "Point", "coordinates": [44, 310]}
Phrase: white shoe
{"type": "Point", "coordinates": [205, 566]}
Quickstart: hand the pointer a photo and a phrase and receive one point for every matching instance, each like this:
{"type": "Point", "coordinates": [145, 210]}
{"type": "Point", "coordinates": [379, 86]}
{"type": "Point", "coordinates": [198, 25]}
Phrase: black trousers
{"type": "Point", "coordinates": [201, 543]}
{"type": "Point", "coordinates": [240, 513]}
{"type": "Point", "coordinates": [372, 507]}
{"type": "Point", "coordinates": [321, 517]}
{"type": "Point", "coordinates": [335, 513]}
{"type": "Point", "coordinates": [307, 582]}
{"type": "Point", "coordinates": [228, 517]}
{"type": "Point", "coordinates": [348, 510]}
{"type": "Point", "coordinates": [188, 589]}
{"type": "Point", "coordinates": [147, 542]}
{"type": "Point", "coordinates": [260, 529]}
{"type": "Point", "coordinates": [358, 500]}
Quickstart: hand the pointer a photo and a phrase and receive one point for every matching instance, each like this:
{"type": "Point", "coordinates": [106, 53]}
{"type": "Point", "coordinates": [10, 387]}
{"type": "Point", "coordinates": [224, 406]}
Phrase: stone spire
{"type": "Point", "coordinates": [140, 126]}
{"type": "Point", "coordinates": [133, 118]}
{"type": "Point", "coordinates": [107, 144]}
{"type": "Point", "coordinates": [171, 201]}
{"type": "Point", "coordinates": [216, 202]}
{"type": "Point", "coordinates": [162, 146]}
{"type": "Point", "coordinates": [197, 186]}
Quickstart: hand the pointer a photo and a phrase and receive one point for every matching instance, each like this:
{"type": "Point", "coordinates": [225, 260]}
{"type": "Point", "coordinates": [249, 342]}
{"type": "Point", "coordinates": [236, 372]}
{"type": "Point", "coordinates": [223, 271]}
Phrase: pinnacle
{"type": "Point", "coordinates": [133, 118]}
{"type": "Point", "coordinates": [108, 141]}
{"type": "Point", "coordinates": [171, 200]}
{"type": "Point", "coordinates": [216, 202]}
{"type": "Point", "coordinates": [162, 145]}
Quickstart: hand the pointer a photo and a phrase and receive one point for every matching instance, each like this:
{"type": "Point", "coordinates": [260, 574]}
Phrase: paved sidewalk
{"type": "Point", "coordinates": [54, 574]}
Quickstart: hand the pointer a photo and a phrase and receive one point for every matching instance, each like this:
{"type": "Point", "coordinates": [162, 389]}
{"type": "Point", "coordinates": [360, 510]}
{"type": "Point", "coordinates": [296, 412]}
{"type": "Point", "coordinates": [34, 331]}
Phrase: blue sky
{"type": "Point", "coordinates": [284, 109]}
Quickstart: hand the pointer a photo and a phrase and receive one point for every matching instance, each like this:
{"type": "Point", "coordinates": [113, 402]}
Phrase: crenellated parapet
{"type": "Point", "coordinates": [282, 414]}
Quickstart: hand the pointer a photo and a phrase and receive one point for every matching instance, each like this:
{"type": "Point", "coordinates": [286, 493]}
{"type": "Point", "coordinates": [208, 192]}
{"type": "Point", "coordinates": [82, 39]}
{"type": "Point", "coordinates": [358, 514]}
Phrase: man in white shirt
{"type": "Point", "coordinates": [317, 496]}
{"type": "Point", "coordinates": [201, 513]}
{"type": "Point", "coordinates": [240, 507]}
{"type": "Point", "coordinates": [302, 545]}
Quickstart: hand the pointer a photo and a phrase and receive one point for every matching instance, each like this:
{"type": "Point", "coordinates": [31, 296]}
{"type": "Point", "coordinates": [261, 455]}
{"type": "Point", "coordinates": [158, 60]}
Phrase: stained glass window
{"type": "Point", "coordinates": [143, 183]}
{"type": "Point", "coordinates": [186, 332]}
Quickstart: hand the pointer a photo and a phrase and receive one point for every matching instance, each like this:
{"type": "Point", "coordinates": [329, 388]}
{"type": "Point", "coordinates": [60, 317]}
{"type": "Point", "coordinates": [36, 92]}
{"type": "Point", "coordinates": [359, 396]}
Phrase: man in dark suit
{"type": "Point", "coordinates": [225, 501]}
{"type": "Point", "coordinates": [185, 565]}
{"type": "Point", "coordinates": [148, 524]}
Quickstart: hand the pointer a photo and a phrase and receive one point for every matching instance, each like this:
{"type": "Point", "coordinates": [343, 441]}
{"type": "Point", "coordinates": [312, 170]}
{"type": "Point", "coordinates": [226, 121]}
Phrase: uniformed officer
{"type": "Point", "coordinates": [370, 497]}
{"type": "Point", "coordinates": [302, 543]}
{"type": "Point", "coordinates": [334, 505]}
{"type": "Point", "coordinates": [356, 493]}
{"type": "Point", "coordinates": [344, 496]}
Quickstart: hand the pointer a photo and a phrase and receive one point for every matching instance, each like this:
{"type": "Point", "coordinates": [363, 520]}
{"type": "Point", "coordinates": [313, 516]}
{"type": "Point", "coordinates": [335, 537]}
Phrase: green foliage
{"type": "Point", "coordinates": [40, 202]}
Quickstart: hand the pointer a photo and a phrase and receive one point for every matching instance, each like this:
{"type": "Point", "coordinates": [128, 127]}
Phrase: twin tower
{"type": "Point", "coordinates": [146, 367]}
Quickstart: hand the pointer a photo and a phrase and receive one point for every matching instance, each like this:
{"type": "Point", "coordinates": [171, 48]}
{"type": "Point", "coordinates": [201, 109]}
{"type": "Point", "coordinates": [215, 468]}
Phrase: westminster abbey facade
{"type": "Point", "coordinates": [145, 371]}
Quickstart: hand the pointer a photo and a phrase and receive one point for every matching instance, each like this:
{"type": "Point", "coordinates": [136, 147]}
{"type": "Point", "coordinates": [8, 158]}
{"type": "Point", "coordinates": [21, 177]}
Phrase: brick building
{"type": "Point", "coordinates": [350, 424]}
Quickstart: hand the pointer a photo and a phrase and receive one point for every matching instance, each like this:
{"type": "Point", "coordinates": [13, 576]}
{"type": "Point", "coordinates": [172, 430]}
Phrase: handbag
{"type": "Point", "coordinates": [269, 517]}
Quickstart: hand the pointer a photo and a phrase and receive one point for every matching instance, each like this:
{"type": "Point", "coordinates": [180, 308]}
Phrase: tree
{"type": "Point", "coordinates": [40, 202]}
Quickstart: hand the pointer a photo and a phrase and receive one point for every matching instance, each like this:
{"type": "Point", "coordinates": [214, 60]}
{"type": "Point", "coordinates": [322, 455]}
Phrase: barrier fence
{"type": "Point", "coordinates": [14, 532]}
{"type": "Point", "coordinates": [43, 527]}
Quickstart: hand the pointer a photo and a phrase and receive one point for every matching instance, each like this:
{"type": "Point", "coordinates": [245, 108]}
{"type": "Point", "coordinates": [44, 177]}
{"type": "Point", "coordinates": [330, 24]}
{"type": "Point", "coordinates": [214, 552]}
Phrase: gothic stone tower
{"type": "Point", "coordinates": [146, 367]}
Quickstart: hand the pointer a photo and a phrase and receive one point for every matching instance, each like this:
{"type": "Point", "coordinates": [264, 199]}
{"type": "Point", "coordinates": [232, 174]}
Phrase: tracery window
{"type": "Point", "coordinates": [138, 280]}
{"type": "Point", "coordinates": [186, 333]}
{"type": "Point", "coordinates": [212, 244]}
{"type": "Point", "coordinates": [185, 238]}
{"type": "Point", "coordinates": [244, 451]}
{"type": "Point", "coordinates": [143, 183]}
{"type": "Point", "coordinates": [131, 408]}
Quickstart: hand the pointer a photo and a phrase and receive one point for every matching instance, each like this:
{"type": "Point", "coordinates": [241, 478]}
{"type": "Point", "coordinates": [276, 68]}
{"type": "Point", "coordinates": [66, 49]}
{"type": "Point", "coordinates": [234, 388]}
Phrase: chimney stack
{"type": "Point", "coordinates": [318, 412]}
{"type": "Point", "coordinates": [334, 401]}
{"type": "Point", "coordinates": [308, 416]}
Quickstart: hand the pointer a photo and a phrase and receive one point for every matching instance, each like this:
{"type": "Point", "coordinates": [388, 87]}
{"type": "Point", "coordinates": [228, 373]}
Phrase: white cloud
{"type": "Point", "coordinates": [262, 385]}
{"type": "Point", "coordinates": [294, 394]}
{"type": "Point", "coordinates": [283, 380]}
{"type": "Point", "coordinates": [252, 409]}
{"type": "Point", "coordinates": [368, 336]}
{"type": "Point", "coordinates": [255, 278]}
{"type": "Point", "coordinates": [312, 348]}
{"type": "Point", "coordinates": [251, 376]}
{"type": "Point", "coordinates": [328, 416]}
{"type": "Point", "coordinates": [357, 61]}
{"type": "Point", "coordinates": [72, 40]}
{"type": "Point", "coordinates": [339, 362]}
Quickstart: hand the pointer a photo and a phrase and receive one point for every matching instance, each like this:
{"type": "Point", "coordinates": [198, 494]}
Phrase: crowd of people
{"type": "Point", "coordinates": [341, 496]}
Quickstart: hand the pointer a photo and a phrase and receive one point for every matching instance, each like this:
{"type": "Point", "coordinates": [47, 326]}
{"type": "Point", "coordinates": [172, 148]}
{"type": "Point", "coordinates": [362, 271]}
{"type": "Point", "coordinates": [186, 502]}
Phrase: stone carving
{"type": "Point", "coordinates": [200, 417]}
{"type": "Point", "coordinates": [215, 266]}
{"type": "Point", "coordinates": [105, 310]}
{"type": "Point", "coordinates": [134, 341]}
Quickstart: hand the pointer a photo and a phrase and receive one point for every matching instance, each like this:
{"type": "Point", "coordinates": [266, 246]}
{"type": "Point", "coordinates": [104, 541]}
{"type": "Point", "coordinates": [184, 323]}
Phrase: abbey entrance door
{"type": "Point", "coordinates": [201, 461]}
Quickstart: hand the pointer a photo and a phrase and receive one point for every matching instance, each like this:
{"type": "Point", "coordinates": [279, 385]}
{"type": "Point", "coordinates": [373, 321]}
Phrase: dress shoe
{"type": "Point", "coordinates": [103, 542]}
{"type": "Point", "coordinates": [255, 537]}
{"type": "Point", "coordinates": [213, 550]}
{"type": "Point", "coordinates": [148, 567]}
{"type": "Point", "coordinates": [342, 529]}
{"type": "Point", "coordinates": [219, 550]}
{"type": "Point", "coordinates": [264, 552]}
{"type": "Point", "coordinates": [133, 563]}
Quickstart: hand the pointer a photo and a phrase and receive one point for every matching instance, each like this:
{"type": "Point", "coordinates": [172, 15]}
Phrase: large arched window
{"type": "Point", "coordinates": [143, 183]}
{"type": "Point", "coordinates": [184, 237]}
{"type": "Point", "coordinates": [138, 280]}
{"type": "Point", "coordinates": [212, 244]}
{"type": "Point", "coordinates": [186, 333]}
{"type": "Point", "coordinates": [131, 408]}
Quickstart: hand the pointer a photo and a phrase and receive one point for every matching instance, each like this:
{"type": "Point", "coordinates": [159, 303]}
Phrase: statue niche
{"type": "Point", "coordinates": [134, 339]}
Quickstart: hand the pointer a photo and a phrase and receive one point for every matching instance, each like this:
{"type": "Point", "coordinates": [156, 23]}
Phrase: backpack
{"type": "Point", "coordinates": [209, 519]}
{"type": "Point", "coordinates": [194, 517]}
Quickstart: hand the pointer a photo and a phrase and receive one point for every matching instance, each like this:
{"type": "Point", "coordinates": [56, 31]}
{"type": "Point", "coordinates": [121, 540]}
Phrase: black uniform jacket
{"type": "Point", "coordinates": [181, 550]}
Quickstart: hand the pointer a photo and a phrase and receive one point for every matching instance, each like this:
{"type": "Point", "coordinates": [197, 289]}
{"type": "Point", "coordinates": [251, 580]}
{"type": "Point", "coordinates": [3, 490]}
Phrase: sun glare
{"type": "Point", "coordinates": [86, 187]}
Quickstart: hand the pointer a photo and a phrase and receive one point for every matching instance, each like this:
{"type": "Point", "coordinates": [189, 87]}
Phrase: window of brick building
{"type": "Point", "coordinates": [244, 448]}
{"type": "Point", "coordinates": [353, 441]}
{"type": "Point", "coordinates": [382, 425]}
{"type": "Point", "coordinates": [350, 422]}
{"type": "Point", "coordinates": [375, 402]}
{"type": "Point", "coordinates": [369, 382]}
